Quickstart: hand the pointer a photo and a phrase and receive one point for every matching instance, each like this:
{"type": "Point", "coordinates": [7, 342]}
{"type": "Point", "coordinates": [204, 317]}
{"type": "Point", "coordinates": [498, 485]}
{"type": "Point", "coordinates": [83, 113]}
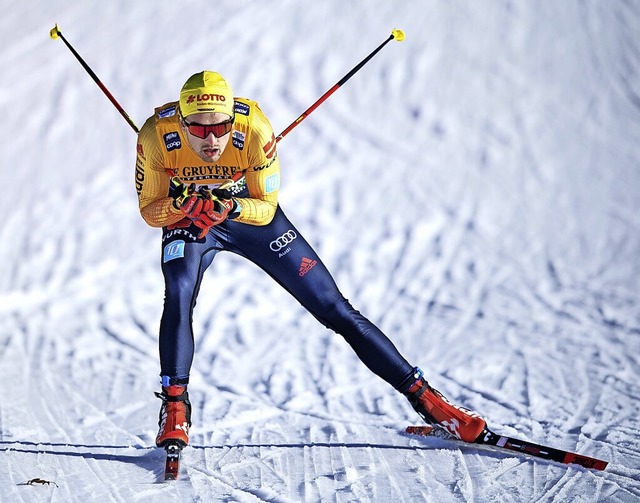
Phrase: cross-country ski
{"type": "Point", "coordinates": [493, 440]}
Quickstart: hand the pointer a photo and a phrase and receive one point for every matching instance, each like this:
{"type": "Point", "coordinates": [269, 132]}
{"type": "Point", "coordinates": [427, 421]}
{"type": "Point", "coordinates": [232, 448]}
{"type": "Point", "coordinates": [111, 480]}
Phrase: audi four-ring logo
{"type": "Point", "coordinates": [280, 243]}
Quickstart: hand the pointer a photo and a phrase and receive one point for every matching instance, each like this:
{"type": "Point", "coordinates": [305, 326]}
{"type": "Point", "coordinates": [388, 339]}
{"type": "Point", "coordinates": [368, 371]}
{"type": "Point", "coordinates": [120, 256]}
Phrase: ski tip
{"type": "Point", "coordinates": [585, 461]}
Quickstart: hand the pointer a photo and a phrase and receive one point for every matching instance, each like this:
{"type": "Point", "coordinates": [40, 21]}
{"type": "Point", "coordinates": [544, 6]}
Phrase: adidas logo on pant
{"type": "Point", "coordinates": [306, 265]}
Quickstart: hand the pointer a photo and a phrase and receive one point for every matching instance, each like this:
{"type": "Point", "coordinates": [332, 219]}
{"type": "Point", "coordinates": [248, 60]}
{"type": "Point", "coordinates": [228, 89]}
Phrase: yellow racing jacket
{"type": "Point", "coordinates": [163, 151]}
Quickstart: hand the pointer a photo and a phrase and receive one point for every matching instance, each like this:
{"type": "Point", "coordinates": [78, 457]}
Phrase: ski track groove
{"type": "Point", "coordinates": [47, 413]}
{"type": "Point", "coordinates": [107, 481]}
{"type": "Point", "coordinates": [235, 492]}
{"type": "Point", "coordinates": [393, 482]}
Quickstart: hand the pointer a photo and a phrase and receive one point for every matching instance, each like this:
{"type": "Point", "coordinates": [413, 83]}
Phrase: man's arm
{"type": "Point", "coordinates": [262, 176]}
{"type": "Point", "coordinates": [152, 180]}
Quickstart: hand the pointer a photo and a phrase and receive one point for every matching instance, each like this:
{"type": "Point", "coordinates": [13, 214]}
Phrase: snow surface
{"type": "Point", "coordinates": [496, 154]}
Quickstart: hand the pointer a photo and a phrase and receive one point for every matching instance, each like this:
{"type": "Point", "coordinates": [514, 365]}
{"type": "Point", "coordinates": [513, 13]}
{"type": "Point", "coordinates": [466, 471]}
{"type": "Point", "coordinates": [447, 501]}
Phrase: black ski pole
{"type": "Point", "coordinates": [56, 33]}
{"type": "Point", "coordinates": [395, 35]}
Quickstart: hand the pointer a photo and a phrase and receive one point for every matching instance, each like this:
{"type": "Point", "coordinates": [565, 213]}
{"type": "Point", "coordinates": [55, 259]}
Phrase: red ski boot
{"type": "Point", "coordinates": [435, 409]}
{"type": "Point", "coordinates": [175, 416]}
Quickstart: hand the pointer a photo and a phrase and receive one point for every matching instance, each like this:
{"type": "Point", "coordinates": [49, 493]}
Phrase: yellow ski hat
{"type": "Point", "coordinates": [206, 92]}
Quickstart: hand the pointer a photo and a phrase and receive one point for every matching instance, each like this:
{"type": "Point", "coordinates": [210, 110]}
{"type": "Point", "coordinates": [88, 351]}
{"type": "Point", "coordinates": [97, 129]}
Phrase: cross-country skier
{"type": "Point", "coordinates": [187, 154]}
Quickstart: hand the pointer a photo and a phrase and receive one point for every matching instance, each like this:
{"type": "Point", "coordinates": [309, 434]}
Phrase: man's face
{"type": "Point", "coordinates": [209, 148]}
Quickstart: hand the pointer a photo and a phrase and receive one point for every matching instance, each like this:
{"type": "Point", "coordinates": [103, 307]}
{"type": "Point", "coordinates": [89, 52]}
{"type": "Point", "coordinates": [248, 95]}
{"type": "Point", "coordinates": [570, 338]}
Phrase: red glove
{"type": "Point", "coordinates": [223, 204]}
{"type": "Point", "coordinates": [205, 208]}
{"type": "Point", "coordinates": [180, 224]}
{"type": "Point", "coordinates": [197, 209]}
{"type": "Point", "coordinates": [223, 201]}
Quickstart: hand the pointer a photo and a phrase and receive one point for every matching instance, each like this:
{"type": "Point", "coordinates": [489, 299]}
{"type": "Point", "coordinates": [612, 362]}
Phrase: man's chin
{"type": "Point", "coordinates": [210, 158]}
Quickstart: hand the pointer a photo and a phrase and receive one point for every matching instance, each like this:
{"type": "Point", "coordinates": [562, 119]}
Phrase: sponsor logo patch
{"type": "Point", "coordinates": [193, 173]}
{"type": "Point", "coordinates": [205, 97]}
{"type": "Point", "coordinates": [283, 241]}
{"type": "Point", "coordinates": [306, 265]}
{"type": "Point", "coordinates": [270, 148]}
{"type": "Point", "coordinates": [239, 186]}
{"type": "Point", "coordinates": [173, 250]}
{"type": "Point", "coordinates": [264, 166]}
{"type": "Point", "coordinates": [241, 108]}
{"type": "Point", "coordinates": [172, 141]}
{"type": "Point", "coordinates": [139, 176]}
{"type": "Point", "coordinates": [167, 112]}
{"type": "Point", "coordinates": [238, 139]}
{"type": "Point", "coordinates": [272, 183]}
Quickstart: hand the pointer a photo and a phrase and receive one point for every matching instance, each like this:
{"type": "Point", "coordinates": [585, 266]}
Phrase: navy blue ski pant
{"type": "Point", "coordinates": [280, 250]}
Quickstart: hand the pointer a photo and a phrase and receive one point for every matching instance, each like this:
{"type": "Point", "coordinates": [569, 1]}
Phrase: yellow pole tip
{"type": "Point", "coordinates": [398, 35]}
{"type": "Point", "coordinates": [55, 32]}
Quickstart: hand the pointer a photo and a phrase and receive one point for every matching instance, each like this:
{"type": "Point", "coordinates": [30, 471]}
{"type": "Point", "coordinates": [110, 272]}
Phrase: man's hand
{"type": "Point", "coordinates": [197, 209]}
{"type": "Point", "coordinates": [205, 208]}
{"type": "Point", "coordinates": [222, 204]}
{"type": "Point", "coordinates": [223, 201]}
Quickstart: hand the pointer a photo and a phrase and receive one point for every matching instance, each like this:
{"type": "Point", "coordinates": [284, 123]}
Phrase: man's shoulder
{"type": "Point", "coordinates": [167, 112]}
{"type": "Point", "coordinates": [243, 107]}
{"type": "Point", "coordinates": [250, 119]}
{"type": "Point", "coordinates": [164, 118]}
{"type": "Point", "coordinates": [247, 110]}
{"type": "Point", "coordinates": [163, 123]}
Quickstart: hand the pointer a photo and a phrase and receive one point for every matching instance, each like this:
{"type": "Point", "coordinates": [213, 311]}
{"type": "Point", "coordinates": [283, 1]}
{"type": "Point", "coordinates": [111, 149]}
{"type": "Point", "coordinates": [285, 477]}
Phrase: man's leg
{"type": "Point", "coordinates": [184, 260]}
{"type": "Point", "coordinates": [281, 251]}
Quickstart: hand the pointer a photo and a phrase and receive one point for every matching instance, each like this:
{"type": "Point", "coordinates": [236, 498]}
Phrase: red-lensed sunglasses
{"type": "Point", "coordinates": [203, 130]}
